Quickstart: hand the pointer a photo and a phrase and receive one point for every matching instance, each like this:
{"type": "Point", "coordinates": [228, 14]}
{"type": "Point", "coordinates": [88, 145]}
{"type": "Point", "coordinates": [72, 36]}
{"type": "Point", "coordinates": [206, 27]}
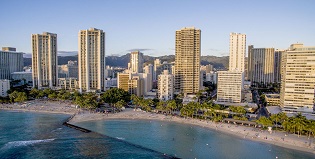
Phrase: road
{"type": "Point", "coordinates": [262, 111]}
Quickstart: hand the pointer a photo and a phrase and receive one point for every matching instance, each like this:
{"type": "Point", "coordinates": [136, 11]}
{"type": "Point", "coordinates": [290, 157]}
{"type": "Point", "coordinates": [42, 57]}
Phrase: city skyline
{"type": "Point", "coordinates": [266, 24]}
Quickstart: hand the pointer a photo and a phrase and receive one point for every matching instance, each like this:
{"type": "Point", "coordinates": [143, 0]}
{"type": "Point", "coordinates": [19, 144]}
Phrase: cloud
{"type": "Point", "coordinates": [130, 50]}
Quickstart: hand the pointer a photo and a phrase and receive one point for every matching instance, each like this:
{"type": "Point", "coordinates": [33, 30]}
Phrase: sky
{"type": "Point", "coordinates": [150, 25]}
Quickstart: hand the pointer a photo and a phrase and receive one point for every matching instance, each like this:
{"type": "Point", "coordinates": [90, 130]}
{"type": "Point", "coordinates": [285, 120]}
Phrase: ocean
{"type": "Point", "coordinates": [40, 135]}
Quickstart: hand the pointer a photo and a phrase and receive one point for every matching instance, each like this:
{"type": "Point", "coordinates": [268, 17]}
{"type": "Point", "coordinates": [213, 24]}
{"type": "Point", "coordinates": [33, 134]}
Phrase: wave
{"type": "Point", "coordinates": [14, 144]}
{"type": "Point", "coordinates": [120, 138]}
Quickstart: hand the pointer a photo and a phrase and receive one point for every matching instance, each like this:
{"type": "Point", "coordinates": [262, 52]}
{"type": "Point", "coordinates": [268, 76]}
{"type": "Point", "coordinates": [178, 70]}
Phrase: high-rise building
{"type": "Point", "coordinates": [148, 69]}
{"type": "Point", "coordinates": [10, 61]}
{"type": "Point", "coordinates": [25, 77]}
{"type": "Point", "coordinates": [122, 81]}
{"type": "Point", "coordinates": [277, 66]}
{"type": "Point", "coordinates": [212, 77]}
{"type": "Point", "coordinates": [230, 85]}
{"type": "Point", "coordinates": [9, 49]}
{"type": "Point", "coordinates": [165, 86]}
{"type": "Point", "coordinates": [156, 70]}
{"type": "Point", "coordinates": [262, 65]}
{"type": "Point", "coordinates": [91, 60]}
{"type": "Point", "coordinates": [187, 60]}
{"type": "Point", "coordinates": [298, 79]}
{"type": "Point", "coordinates": [44, 60]}
{"type": "Point", "coordinates": [68, 83]}
{"type": "Point", "coordinates": [136, 62]}
{"type": "Point", "coordinates": [249, 62]}
{"type": "Point", "coordinates": [4, 87]}
{"type": "Point", "coordinates": [237, 52]}
{"type": "Point", "coordinates": [135, 85]}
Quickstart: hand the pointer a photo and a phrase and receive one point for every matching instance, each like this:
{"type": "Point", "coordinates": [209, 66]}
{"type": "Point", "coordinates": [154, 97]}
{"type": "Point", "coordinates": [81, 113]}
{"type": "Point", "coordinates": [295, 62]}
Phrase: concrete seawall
{"type": "Point", "coordinates": [66, 123]}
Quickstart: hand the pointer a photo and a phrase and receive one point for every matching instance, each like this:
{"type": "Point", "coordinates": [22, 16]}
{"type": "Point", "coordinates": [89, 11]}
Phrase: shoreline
{"type": "Point", "coordinates": [42, 106]}
{"type": "Point", "coordinates": [278, 138]}
{"type": "Point", "coordinates": [35, 111]}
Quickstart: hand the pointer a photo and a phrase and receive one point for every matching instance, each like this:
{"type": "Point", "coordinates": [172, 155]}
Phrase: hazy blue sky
{"type": "Point", "coordinates": [151, 24]}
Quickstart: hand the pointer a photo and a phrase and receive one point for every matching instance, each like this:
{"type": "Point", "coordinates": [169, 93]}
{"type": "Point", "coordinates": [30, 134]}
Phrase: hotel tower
{"type": "Point", "coordinates": [237, 52]}
{"type": "Point", "coordinates": [187, 60]}
{"type": "Point", "coordinates": [44, 60]}
{"type": "Point", "coordinates": [91, 56]}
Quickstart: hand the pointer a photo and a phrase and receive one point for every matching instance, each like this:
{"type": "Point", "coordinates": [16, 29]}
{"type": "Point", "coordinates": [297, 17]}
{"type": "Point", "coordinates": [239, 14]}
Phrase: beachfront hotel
{"type": "Point", "coordinates": [298, 79]}
{"type": "Point", "coordinates": [237, 52]}
{"type": "Point", "coordinates": [44, 60]}
{"type": "Point", "coordinates": [230, 85]}
{"type": "Point", "coordinates": [91, 58]}
{"type": "Point", "coordinates": [165, 86]}
{"type": "Point", "coordinates": [11, 61]}
{"type": "Point", "coordinates": [187, 60]}
{"type": "Point", "coordinates": [262, 61]}
{"type": "Point", "coordinates": [136, 62]}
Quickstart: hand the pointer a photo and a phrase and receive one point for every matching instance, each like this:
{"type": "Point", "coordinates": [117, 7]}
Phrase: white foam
{"type": "Point", "coordinates": [120, 138]}
{"type": "Point", "coordinates": [14, 144]}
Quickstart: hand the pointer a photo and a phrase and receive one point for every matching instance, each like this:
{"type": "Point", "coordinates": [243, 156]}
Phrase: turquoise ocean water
{"type": "Point", "coordinates": [38, 135]}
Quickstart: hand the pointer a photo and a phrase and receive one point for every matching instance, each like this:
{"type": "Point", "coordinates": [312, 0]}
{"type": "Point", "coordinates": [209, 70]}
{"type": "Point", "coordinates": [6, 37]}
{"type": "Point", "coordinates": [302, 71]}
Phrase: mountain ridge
{"type": "Point", "coordinates": [122, 61]}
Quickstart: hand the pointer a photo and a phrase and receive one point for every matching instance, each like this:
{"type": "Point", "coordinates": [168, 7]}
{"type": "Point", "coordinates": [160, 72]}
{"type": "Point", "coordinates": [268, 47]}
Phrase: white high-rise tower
{"type": "Point", "coordinates": [44, 60]}
{"type": "Point", "coordinates": [237, 52]}
{"type": "Point", "coordinates": [136, 62]}
{"type": "Point", "coordinates": [91, 60]}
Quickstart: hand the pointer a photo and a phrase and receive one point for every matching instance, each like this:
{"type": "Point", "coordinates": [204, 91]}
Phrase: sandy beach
{"type": "Point", "coordinates": [43, 106]}
{"type": "Point", "coordinates": [279, 138]}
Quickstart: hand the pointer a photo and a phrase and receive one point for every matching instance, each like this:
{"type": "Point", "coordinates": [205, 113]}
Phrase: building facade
{"type": "Point", "coordinates": [298, 79]}
{"type": "Point", "coordinates": [44, 60]}
{"type": "Point", "coordinates": [212, 77]}
{"type": "Point", "coordinates": [4, 87]}
{"type": "Point", "coordinates": [136, 62]}
{"type": "Point", "coordinates": [91, 60]}
{"type": "Point", "coordinates": [156, 69]}
{"type": "Point", "coordinates": [10, 61]}
{"type": "Point", "coordinates": [25, 77]}
{"type": "Point", "coordinates": [262, 65]}
{"type": "Point", "coordinates": [277, 65]}
{"type": "Point", "coordinates": [135, 85]}
{"type": "Point", "coordinates": [122, 81]}
{"type": "Point", "coordinates": [272, 99]}
{"type": "Point", "coordinates": [165, 86]}
{"type": "Point", "coordinates": [229, 87]}
{"type": "Point", "coordinates": [68, 83]}
{"type": "Point", "coordinates": [187, 60]}
{"type": "Point", "coordinates": [237, 52]}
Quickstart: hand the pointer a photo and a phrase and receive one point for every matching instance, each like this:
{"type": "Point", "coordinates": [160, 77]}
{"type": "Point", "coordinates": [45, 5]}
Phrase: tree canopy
{"type": "Point", "coordinates": [114, 95]}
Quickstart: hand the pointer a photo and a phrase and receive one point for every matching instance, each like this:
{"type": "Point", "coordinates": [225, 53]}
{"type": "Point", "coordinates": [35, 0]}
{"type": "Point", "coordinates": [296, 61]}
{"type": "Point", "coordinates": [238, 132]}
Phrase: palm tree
{"type": "Point", "coordinates": [160, 106]}
{"type": "Point", "coordinates": [118, 105]}
{"type": "Point", "coordinates": [300, 123]}
{"type": "Point", "coordinates": [135, 100]}
{"type": "Point", "coordinates": [171, 105]}
{"type": "Point", "coordinates": [199, 95]}
{"type": "Point", "coordinates": [210, 112]}
{"type": "Point", "coordinates": [275, 118]}
{"type": "Point", "coordinates": [264, 121]}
